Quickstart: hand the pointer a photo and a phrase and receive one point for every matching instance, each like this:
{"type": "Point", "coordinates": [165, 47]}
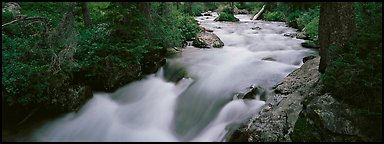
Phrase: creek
{"type": "Point", "coordinates": [199, 107]}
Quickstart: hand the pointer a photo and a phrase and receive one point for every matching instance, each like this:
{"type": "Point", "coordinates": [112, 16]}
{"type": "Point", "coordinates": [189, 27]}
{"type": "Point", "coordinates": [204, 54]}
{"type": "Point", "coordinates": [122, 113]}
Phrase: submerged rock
{"type": "Point", "coordinates": [256, 28]}
{"type": "Point", "coordinates": [251, 93]}
{"type": "Point", "coordinates": [207, 40]}
{"type": "Point", "coordinates": [174, 72]}
{"type": "Point", "coordinates": [299, 35]}
{"type": "Point", "coordinates": [292, 35]}
{"type": "Point", "coordinates": [268, 59]}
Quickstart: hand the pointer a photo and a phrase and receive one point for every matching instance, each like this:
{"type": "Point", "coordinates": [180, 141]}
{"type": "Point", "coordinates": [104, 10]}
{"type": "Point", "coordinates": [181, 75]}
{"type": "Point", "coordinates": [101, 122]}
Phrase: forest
{"type": "Point", "coordinates": [57, 55]}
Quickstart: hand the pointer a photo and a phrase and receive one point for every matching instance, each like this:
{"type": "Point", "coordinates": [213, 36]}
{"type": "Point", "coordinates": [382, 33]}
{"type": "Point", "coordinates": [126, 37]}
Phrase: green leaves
{"type": "Point", "coordinates": [355, 72]}
{"type": "Point", "coordinates": [41, 69]}
{"type": "Point", "coordinates": [274, 16]}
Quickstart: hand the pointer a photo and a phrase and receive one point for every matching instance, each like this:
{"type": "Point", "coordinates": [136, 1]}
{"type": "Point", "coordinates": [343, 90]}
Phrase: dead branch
{"type": "Point", "coordinates": [259, 13]}
{"type": "Point", "coordinates": [24, 19]}
{"type": "Point", "coordinates": [28, 116]}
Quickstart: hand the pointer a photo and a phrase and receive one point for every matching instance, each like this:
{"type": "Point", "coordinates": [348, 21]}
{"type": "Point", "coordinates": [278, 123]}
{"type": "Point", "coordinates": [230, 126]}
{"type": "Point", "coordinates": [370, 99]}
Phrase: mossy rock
{"type": "Point", "coordinates": [174, 72]}
{"type": "Point", "coordinates": [226, 17]}
{"type": "Point", "coordinates": [207, 40]}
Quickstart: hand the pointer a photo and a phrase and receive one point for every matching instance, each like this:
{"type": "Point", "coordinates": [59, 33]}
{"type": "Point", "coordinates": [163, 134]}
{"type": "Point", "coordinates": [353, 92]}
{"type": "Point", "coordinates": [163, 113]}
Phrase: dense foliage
{"type": "Point", "coordinates": [303, 16]}
{"type": "Point", "coordinates": [355, 73]}
{"type": "Point", "coordinates": [49, 63]}
{"type": "Point", "coordinates": [226, 15]}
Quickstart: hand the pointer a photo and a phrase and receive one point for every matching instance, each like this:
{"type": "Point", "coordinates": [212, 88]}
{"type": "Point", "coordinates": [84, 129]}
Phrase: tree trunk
{"type": "Point", "coordinates": [177, 5]}
{"type": "Point", "coordinates": [336, 27]}
{"type": "Point", "coordinates": [232, 7]}
{"type": "Point", "coordinates": [86, 16]}
{"type": "Point", "coordinates": [166, 8]}
{"type": "Point", "coordinates": [145, 7]}
{"type": "Point", "coordinates": [169, 8]}
{"type": "Point", "coordinates": [190, 7]}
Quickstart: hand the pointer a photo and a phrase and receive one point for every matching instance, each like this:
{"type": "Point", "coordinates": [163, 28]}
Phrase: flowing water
{"type": "Point", "coordinates": [199, 107]}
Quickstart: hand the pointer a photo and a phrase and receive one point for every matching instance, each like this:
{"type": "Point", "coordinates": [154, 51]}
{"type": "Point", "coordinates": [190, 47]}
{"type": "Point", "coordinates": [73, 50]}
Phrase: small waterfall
{"type": "Point", "coordinates": [189, 43]}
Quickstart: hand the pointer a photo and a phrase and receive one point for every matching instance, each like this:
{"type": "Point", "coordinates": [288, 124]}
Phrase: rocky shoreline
{"type": "Point", "coordinates": [300, 110]}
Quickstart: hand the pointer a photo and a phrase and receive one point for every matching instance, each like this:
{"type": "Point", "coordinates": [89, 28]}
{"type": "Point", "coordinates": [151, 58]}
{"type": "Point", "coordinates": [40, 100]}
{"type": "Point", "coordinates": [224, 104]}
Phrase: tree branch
{"type": "Point", "coordinates": [28, 18]}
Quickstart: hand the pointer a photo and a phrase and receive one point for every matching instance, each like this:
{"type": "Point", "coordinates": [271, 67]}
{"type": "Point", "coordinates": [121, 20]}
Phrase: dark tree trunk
{"type": "Point", "coordinates": [177, 5]}
{"type": "Point", "coordinates": [86, 16]}
{"type": "Point", "coordinates": [166, 8]}
{"type": "Point", "coordinates": [190, 7]}
{"type": "Point", "coordinates": [145, 7]}
{"type": "Point", "coordinates": [336, 27]}
{"type": "Point", "coordinates": [232, 7]}
{"type": "Point", "coordinates": [169, 7]}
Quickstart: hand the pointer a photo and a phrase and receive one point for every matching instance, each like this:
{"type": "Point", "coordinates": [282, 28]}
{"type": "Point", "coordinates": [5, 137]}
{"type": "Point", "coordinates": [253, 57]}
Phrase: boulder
{"type": "Point", "coordinates": [327, 119]}
{"type": "Point", "coordinates": [205, 29]}
{"type": "Point", "coordinates": [276, 119]}
{"type": "Point", "coordinates": [207, 40]}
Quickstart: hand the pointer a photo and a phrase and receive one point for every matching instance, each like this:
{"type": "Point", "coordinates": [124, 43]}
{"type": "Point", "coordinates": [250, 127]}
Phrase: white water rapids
{"type": "Point", "coordinates": [199, 107]}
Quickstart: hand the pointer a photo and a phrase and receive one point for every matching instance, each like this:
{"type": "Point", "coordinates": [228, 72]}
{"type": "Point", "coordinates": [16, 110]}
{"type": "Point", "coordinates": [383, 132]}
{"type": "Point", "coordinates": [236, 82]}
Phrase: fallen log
{"type": "Point", "coordinates": [259, 13]}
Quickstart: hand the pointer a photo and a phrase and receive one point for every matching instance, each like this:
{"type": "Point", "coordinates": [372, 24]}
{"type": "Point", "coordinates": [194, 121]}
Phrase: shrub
{"type": "Point", "coordinates": [227, 10]}
{"type": "Point", "coordinates": [210, 6]}
{"type": "Point", "coordinates": [274, 16]}
{"type": "Point", "coordinates": [311, 29]}
{"type": "Point", "coordinates": [355, 76]}
{"type": "Point", "coordinates": [188, 27]}
{"type": "Point", "coordinates": [306, 17]}
{"type": "Point", "coordinates": [197, 10]}
{"type": "Point", "coordinates": [247, 5]}
{"type": "Point", "coordinates": [226, 17]}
